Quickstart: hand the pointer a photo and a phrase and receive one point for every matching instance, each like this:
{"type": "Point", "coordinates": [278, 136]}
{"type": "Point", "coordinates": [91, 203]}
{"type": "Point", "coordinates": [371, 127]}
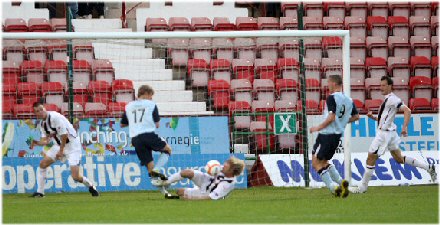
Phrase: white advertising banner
{"type": "Point", "coordinates": [288, 170]}
{"type": "Point", "coordinates": [423, 132]}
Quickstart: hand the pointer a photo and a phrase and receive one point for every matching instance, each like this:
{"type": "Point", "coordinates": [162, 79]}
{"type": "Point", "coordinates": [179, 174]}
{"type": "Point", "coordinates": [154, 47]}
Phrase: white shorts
{"type": "Point", "coordinates": [384, 140]}
{"type": "Point", "coordinates": [201, 180]}
{"type": "Point", "coordinates": [72, 152]}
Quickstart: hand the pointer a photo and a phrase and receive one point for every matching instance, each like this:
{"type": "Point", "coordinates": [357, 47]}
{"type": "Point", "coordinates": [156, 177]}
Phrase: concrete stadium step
{"type": "Point", "coordinates": [138, 64]}
{"type": "Point", "coordinates": [97, 23]}
{"type": "Point", "coordinates": [181, 107]}
{"type": "Point", "coordinates": [173, 96]}
{"type": "Point", "coordinates": [123, 52]}
{"type": "Point", "coordinates": [144, 75]}
{"type": "Point", "coordinates": [172, 85]}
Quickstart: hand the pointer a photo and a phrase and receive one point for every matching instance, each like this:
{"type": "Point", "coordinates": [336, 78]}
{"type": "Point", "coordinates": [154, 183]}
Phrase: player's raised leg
{"type": "Point", "coordinates": [397, 155]}
{"type": "Point", "coordinates": [41, 176]}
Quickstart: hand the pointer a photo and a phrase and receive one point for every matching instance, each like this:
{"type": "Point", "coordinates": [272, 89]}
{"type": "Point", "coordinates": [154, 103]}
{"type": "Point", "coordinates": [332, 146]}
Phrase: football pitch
{"type": "Point", "coordinates": [405, 204]}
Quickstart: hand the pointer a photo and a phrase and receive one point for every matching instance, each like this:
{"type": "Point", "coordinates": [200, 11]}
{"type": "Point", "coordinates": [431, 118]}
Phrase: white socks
{"type": "Point", "coordinates": [415, 162]}
{"type": "Point", "coordinates": [41, 180]}
{"type": "Point", "coordinates": [369, 170]}
{"type": "Point", "coordinates": [174, 178]}
{"type": "Point", "coordinates": [86, 182]}
{"type": "Point", "coordinates": [334, 174]}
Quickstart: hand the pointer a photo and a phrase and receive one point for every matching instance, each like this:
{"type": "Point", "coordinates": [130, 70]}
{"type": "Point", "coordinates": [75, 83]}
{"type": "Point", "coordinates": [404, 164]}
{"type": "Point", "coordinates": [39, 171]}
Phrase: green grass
{"type": "Point", "coordinates": [407, 204]}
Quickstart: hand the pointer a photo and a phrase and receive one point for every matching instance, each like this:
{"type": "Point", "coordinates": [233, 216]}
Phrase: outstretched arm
{"type": "Point", "coordinates": [43, 141]}
{"type": "Point", "coordinates": [406, 118]}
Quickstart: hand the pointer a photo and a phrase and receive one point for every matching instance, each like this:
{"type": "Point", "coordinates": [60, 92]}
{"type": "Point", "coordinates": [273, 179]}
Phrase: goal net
{"type": "Point", "coordinates": [252, 94]}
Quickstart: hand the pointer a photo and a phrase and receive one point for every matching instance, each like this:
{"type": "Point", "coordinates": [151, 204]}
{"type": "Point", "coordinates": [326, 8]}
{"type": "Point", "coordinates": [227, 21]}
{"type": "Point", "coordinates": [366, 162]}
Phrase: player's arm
{"type": "Point", "coordinates": [61, 128]}
{"type": "Point", "coordinates": [124, 120]}
{"type": "Point", "coordinates": [43, 141]}
{"type": "Point", "coordinates": [156, 117]}
{"type": "Point", "coordinates": [331, 106]}
{"type": "Point", "coordinates": [354, 114]}
{"type": "Point", "coordinates": [371, 116]}
{"type": "Point", "coordinates": [63, 141]}
{"type": "Point", "coordinates": [406, 118]}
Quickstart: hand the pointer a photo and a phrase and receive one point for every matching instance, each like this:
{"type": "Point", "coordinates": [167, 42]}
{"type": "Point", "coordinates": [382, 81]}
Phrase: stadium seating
{"type": "Point", "coordinates": [39, 25]}
{"type": "Point", "coordinates": [178, 51]}
{"type": "Point", "coordinates": [78, 109]}
{"type": "Point", "coordinates": [52, 107]}
{"type": "Point", "coordinates": [377, 46]}
{"type": "Point", "coordinates": [241, 121]}
{"type": "Point", "coordinates": [399, 67]}
{"type": "Point", "coordinates": [200, 49]}
{"type": "Point", "coordinates": [268, 23]}
{"type": "Point", "coordinates": [421, 87]}
{"type": "Point", "coordinates": [377, 26]}
{"type": "Point", "coordinates": [376, 67]}
{"type": "Point", "coordinates": [242, 90]}
{"type": "Point", "coordinates": [15, 25]}
{"type": "Point", "coordinates": [23, 111]}
{"type": "Point", "coordinates": [288, 68]}
{"type": "Point", "coordinates": [419, 105]}
{"type": "Point", "coordinates": [378, 9]}
{"type": "Point", "coordinates": [289, 47]}
{"type": "Point", "coordinates": [399, 26]}
{"type": "Point", "coordinates": [357, 8]}
{"type": "Point", "coordinates": [288, 23]}
{"type": "Point", "coordinates": [32, 71]}
{"type": "Point", "coordinates": [116, 109]}
{"type": "Point", "coordinates": [420, 66]}
{"type": "Point", "coordinates": [287, 90]}
{"type": "Point", "coordinates": [335, 9]}
{"type": "Point", "coordinates": [373, 105]}
{"type": "Point", "coordinates": [246, 23]}
{"type": "Point", "coordinates": [58, 24]}
{"type": "Point", "coordinates": [100, 91]}
{"type": "Point", "coordinates": [399, 46]}
{"type": "Point", "coordinates": [95, 109]}
{"type": "Point", "coordinates": [53, 93]}
{"type": "Point", "coordinates": [223, 24]}
{"type": "Point", "coordinates": [201, 24]}
{"type": "Point", "coordinates": [179, 24]}
{"type": "Point", "coordinates": [358, 48]}
{"type": "Point", "coordinates": [82, 71]}
{"type": "Point", "coordinates": [56, 71]}
{"type": "Point", "coordinates": [83, 51]}
{"type": "Point", "coordinates": [267, 47]}
{"type": "Point", "coordinates": [57, 50]}
{"type": "Point", "coordinates": [122, 90]}
{"type": "Point", "coordinates": [36, 50]}
{"type": "Point", "coordinates": [223, 48]}
{"type": "Point", "coordinates": [219, 92]}
{"type": "Point", "coordinates": [401, 88]}
{"type": "Point", "coordinates": [102, 69]}
{"type": "Point", "coordinates": [198, 72]}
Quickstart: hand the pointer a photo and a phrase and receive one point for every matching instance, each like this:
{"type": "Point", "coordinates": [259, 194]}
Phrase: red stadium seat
{"type": "Point", "coordinates": [221, 70]}
{"type": "Point", "coordinates": [82, 71]}
{"type": "Point", "coordinates": [201, 48]}
{"type": "Point", "coordinates": [434, 64]}
{"type": "Point", "coordinates": [434, 25]}
{"type": "Point", "coordinates": [400, 8]}
{"type": "Point", "coordinates": [421, 87]}
{"type": "Point", "coordinates": [242, 121]}
{"type": "Point", "coordinates": [313, 90]}
{"type": "Point", "coordinates": [123, 90]}
{"type": "Point", "coordinates": [116, 109]}
{"type": "Point", "coordinates": [219, 92]}
{"type": "Point", "coordinates": [373, 104]}
{"type": "Point", "coordinates": [178, 51]}
{"type": "Point", "coordinates": [57, 49]}
{"type": "Point", "coordinates": [288, 68]}
{"type": "Point", "coordinates": [399, 46]}
{"type": "Point", "coordinates": [421, 8]}
{"type": "Point", "coordinates": [267, 47]}
{"type": "Point", "coordinates": [358, 48]}
{"type": "Point", "coordinates": [399, 67]}
{"type": "Point", "coordinates": [23, 111]}
{"type": "Point", "coordinates": [102, 69]}
{"type": "Point", "coordinates": [201, 24]}
{"type": "Point", "coordinates": [356, 25]}
{"type": "Point", "coordinates": [421, 46]}
{"type": "Point", "coordinates": [420, 26]}
{"type": "Point", "coordinates": [9, 99]}
{"type": "Point", "coordinates": [377, 47]}
{"type": "Point", "coordinates": [312, 68]}
{"type": "Point", "coordinates": [359, 105]}
{"type": "Point", "coordinates": [261, 138]}
{"type": "Point", "coordinates": [313, 48]}
{"type": "Point", "coordinates": [335, 9]}
{"type": "Point", "coordinates": [434, 104]}
{"type": "Point", "coordinates": [11, 72]}
{"type": "Point", "coordinates": [289, 47]}
{"type": "Point", "coordinates": [32, 71]}
{"type": "Point", "coordinates": [100, 91]}
{"type": "Point", "coordinates": [434, 44]}
{"type": "Point", "coordinates": [36, 50]}
{"type": "Point", "coordinates": [242, 90]}
{"type": "Point", "coordinates": [224, 48]}
{"type": "Point", "coordinates": [357, 70]}
{"type": "Point", "coordinates": [314, 9]}
{"type": "Point", "coordinates": [80, 92]}
{"type": "Point", "coordinates": [284, 106]}
{"type": "Point", "coordinates": [52, 107]}
{"type": "Point", "coordinates": [13, 51]}
{"type": "Point", "coordinates": [78, 109]}
{"type": "Point", "coordinates": [312, 107]}
{"type": "Point", "coordinates": [331, 66]}
{"type": "Point", "coordinates": [288, 23]}
{"type": "Point", "coordinates": [58, 24]}
{"type": "Point", "coordinates": [420, 66]}
{"type": "Point", "coordinates": [7, 112]}
{"type": "Point", "coordinates": [376, 67]}
{"type": "Point", "coordinates": [179, 24]}
{"type": "Point", "coordinates": [420, 105]}
{"type": "Point", "coordinates": [378, 26]}
{"type": "Point", "coordinates": [332, 47]}
{"type": "Point", "coordinates": [289, 9]}
{"type": "Point", "coordinates": [243, 69]}
{"type": "Point", "coordinates": [378, 9]}
{"type": "Point", "coordinates": [357, 8]}
{"type": "Point", "coordinates": [56, 71]}
{"type": "Point", "coordinates": [39, 25]}
{"type": "Point", "coordinates": [264, 90]}
{"type": "Point", "coordinates": [265, 65]}
{"type": "Point", "coordinates": [95, 109]}
{"type": "Point", "coordinates": [198, 71]}
{"type": "Point", "coordinates": [28, 92]}
{"type": "Point", "coordinates": [313, 23]}
{"type": "Point", "coordinates": [287, 90]}
{"type": "Point", "coordinates": [245, 48]}
{"type": "Point", "coordinates": [53, 93]}
{"type": "Point", "coordinates": [156, 24]}
{"type": "Point", "coordinates": [372, 86]}
{"type": "Point", "coordinates": [268, 23]}
{"type": "Point", "coordinates": [401, 88]}
{"type": "Point", "coordinates": [223, 24]}
{"type": "Point", "coordinates": [15, 25]}
{"type": "Point", "coordinates": [399, 26]}
{"type": "Point", "coordinates": [246, 23]}
{"type": "Point", "coordinates": [263, 107]}
{"type": "Point", "coordinates": [83, 51]}
{"type": "Point", "coordinates": [333, 23]}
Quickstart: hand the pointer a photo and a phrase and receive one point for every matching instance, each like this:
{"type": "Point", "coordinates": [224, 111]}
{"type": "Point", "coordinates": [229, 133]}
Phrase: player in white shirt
{"type": "Point", "coordinates": [207, 186]}
{"type": "Point", "coordinates": [387, 137]}
{"type": "Point", "coordinates": [68, 146]}
{"type": "Point", "coordinates": [142, 118]}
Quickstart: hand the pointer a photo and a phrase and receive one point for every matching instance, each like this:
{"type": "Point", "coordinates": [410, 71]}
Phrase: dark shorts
{"type": "Point", "coordinates": [145, 143]}
{"type": "Point", "coordinates": [326, 145]}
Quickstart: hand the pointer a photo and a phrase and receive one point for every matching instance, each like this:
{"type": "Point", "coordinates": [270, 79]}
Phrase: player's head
{"type": "Point", "coordinates": [233, 166]}
{"type": "Point", "coordinates": [334, 83]}
{"type": "Point", "coordinates": [386, 85]}
{"type": "Point", "coordinates": [39, 110]}
{"type": "Point", "coordinates": [145, 92]}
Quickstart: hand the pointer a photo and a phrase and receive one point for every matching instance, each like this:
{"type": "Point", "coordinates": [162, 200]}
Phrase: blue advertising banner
{"type": "Point", "coordinates": [104, 136]}
{"type": "Point", "coordinates": [108, 173]}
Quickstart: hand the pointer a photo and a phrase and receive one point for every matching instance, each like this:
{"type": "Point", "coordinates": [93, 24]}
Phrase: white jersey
{"type": "Point", "coordinates": [217, 187]}
{"type": "Point", "coordinates": [56, 125]}
{"type": "Point", "coordinates": [387, 112]}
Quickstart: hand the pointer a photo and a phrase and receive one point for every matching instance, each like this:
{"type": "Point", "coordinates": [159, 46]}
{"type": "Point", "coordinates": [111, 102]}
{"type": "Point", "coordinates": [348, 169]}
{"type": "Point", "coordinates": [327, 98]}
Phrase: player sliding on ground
{"type": "Point", "coordinates": [339, 110]}
{"type": "Point", "coordinates": [67, 145]}
{"type": "Point", "coordinates": [387, 137]}
{"type": "Point", "coordinates": [207, 186]}
{"type": "Point", "coordinates": [142, 117]}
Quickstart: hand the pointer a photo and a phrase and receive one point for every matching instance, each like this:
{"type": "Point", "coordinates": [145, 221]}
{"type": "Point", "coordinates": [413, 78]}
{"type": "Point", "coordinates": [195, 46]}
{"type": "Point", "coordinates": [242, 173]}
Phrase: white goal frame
{"type": "Point", "coordinates": [344, 34]}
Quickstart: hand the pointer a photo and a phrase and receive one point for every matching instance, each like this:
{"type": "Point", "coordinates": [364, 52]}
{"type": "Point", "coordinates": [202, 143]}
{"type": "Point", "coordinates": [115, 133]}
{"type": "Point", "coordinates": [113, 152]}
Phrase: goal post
{"type": "Point", "coordinates": [114, 37]}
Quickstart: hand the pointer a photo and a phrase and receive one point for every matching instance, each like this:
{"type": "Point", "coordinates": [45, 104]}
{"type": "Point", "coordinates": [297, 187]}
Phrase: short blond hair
{"type": "Point", "coordinates": [237, 165]}
{"type": "Point", "coordinates": [145, 89]}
